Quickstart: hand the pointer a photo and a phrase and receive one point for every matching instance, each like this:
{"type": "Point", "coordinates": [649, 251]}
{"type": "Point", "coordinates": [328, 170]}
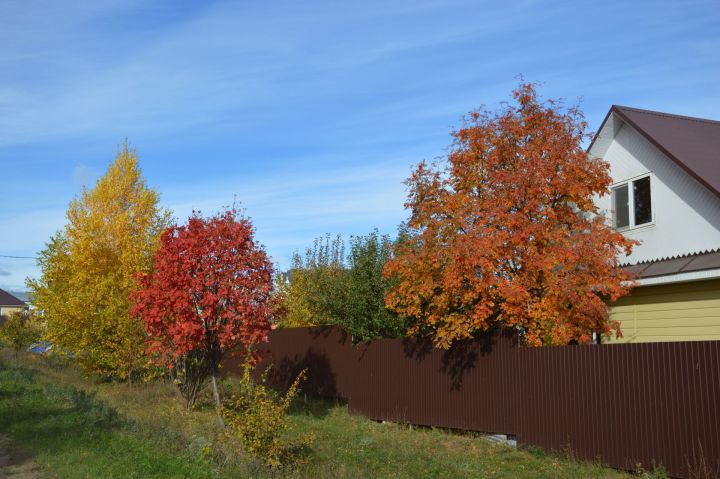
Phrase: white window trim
{"type": "Point", "coordinates": [631, 202]}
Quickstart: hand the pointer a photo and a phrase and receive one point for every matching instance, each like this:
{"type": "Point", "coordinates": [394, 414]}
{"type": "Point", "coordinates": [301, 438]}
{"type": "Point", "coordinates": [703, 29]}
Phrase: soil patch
{"type": "Point", "coordinates": [16, 463]}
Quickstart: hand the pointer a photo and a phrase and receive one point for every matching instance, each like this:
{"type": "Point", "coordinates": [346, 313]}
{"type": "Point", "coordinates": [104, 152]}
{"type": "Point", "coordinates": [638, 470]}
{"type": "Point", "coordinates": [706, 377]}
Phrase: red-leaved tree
{"type": "Point", "coordinates": [209, 292]}
{"type": "Point", "coordinates": [506, 233]}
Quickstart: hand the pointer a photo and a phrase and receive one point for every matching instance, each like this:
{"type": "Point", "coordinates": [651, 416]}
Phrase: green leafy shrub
{"type": "Point", "coordinates": [326, 286]}
{"type": "Point", "coordinates": [257, 416]}
{"type": "Point", "coordinates": [365, 316]}
{"type": "Point", "coordinates": [311, 293]}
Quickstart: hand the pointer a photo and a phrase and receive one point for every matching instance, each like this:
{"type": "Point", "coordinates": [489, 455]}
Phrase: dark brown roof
{"type": "Point", "coordinates": [676, 265]}
{"type": "Point", "coordinates": [7, 299]}
{"type": "Point", "coordinates": [692, 143]}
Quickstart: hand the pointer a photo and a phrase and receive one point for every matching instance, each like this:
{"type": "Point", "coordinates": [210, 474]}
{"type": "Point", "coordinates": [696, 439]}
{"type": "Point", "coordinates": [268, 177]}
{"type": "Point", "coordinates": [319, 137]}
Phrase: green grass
{"type": "Point", "coordinates": [76, 428]}
{"type": "Point", "coordinates": [347, 444]}
{"type": "Point", "coordinates": [74, 435]}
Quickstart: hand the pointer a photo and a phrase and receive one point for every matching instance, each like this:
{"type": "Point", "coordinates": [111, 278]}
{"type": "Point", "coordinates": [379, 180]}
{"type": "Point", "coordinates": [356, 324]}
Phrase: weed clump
{"type": "Point", "coordinates": [257, 416]}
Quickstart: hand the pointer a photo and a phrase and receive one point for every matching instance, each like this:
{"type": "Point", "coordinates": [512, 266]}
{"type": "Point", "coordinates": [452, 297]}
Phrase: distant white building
{"type": "Point", "coordinates": [666, 194]}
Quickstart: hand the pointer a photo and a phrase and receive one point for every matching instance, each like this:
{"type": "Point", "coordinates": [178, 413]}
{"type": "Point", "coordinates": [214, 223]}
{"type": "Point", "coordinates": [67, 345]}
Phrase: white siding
{"type": "Point", "coordinates": [686, 214]}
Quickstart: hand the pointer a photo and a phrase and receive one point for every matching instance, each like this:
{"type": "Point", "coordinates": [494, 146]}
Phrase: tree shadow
{"type": "Point", "coordinates": [325, 331]}
{"type": "Point", "coordinates": [417, 348]}
{"type": "Point", "coordinates": [363, 348]}
{"type": "Point", "coordinates": [461, 358]}
{"type": "Point", "coordinates": [458, 361]}
{"type": "Point", "coordinates": [319, 383]}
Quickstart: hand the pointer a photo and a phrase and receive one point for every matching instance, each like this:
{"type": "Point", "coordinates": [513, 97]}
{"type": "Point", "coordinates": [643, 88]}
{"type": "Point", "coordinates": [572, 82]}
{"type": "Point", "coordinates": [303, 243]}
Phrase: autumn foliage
{"type": "Point", "coordinates": [209, 290]}
{"type": "Point", "coordinates": [258, 417]}
{"type": "Point", "coordinates": [505, 232]}
{"type": "Point", "coordinates": [326, 286]}
{"type": "Point", "coordinates": [21, 329]}
{"type": "Point", "coordinates": [311, 294]}
{"type": "Point", "coordinates": [89, 268]}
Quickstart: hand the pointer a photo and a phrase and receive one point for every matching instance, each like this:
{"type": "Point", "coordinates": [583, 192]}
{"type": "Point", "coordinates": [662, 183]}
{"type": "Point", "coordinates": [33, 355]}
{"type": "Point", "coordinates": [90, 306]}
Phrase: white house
{"type": "Point", "coordinates": [666, 194]}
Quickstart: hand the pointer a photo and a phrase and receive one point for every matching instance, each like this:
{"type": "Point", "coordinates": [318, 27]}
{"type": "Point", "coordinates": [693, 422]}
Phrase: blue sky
{"type": "Point", "coordinates": [311, 113]}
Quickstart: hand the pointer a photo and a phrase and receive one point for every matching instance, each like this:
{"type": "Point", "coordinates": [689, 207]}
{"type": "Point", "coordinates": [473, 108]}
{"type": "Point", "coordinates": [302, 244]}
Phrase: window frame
{"type": "Point", "coordinates": [631, 202]}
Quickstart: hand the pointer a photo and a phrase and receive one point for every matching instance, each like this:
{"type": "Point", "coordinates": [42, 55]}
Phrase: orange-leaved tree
{"type": "Point", "coordinates": [505, 233]}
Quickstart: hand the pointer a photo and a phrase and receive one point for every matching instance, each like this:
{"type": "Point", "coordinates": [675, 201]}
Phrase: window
{"type": "Point", "coordinates": [621, 208]}
{"type": "Point", "coordinates": [639, 203]}
{"type": "Point", "coordinates": [641, 200]}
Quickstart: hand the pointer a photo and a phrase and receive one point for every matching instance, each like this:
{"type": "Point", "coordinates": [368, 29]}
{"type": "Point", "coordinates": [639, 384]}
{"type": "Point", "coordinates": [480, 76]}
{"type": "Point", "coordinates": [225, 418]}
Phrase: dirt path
{"type": "Point", "coordinates": [16, 464]}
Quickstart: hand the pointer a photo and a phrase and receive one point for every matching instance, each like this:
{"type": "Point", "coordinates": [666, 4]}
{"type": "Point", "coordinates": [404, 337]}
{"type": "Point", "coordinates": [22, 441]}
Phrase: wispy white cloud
{"type": "Point", "coordinates": [289, 209]}
{"type": "Point", "coordinates": [311, 112]}
{"type": "Point", "coordinates": [236, 64]}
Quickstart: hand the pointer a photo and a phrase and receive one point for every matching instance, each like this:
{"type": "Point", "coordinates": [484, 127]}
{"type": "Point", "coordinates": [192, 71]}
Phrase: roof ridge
{"type": "Point", "coordinates": [668, 115]}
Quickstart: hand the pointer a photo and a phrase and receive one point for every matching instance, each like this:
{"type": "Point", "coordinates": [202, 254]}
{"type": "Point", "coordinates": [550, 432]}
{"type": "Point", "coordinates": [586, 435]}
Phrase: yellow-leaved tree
{"type": "Point", "coordinates": [89, 269]}
{"type": "Point", "coordinates": [291, 289]}
{"type": "Point", "coordinates": [310, 293]}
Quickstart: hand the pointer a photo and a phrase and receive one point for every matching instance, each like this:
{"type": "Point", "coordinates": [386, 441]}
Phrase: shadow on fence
{"type": "Point", "coordinates": [625, 404]}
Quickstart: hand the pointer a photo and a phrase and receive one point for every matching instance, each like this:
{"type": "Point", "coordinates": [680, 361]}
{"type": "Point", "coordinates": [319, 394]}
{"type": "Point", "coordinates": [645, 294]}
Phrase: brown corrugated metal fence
{"type": "Point", "coordinates": [624, 404]}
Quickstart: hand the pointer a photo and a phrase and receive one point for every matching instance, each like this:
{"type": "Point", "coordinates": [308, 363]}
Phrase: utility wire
{"type": "Point", "coordinates": [16, 257]}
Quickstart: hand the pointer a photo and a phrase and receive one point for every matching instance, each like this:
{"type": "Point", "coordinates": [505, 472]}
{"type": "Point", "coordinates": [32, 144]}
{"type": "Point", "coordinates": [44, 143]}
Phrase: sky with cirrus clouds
{"type": "Point", "coordinates": [309, 113]}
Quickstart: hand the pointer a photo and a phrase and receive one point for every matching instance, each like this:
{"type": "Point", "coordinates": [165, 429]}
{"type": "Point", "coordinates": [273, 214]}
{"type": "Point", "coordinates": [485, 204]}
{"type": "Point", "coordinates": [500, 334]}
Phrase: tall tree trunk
{"type": "Point", "coordinates": [213, 350]}
{"type": "Point", "coordinates": [216, 394]}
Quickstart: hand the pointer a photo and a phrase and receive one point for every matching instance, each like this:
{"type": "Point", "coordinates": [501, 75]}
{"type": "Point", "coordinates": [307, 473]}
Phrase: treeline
{"type": "Point", "coordinates": [130, 294]}
{"type": "Point", "coordinates": [502, 233]}
{"type": "Point", "coordinates": [335, 283]}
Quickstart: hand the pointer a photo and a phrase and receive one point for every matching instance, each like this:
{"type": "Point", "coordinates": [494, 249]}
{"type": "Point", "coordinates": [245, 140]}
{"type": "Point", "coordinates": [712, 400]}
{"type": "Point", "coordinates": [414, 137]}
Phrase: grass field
{"type": "Point", "coordinates": [74, 427]}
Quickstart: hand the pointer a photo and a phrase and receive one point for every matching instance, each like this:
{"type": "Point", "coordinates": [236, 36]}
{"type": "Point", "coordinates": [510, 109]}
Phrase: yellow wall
{"type": "Point", "coordinates": [674, 312]}
{"type": "Point", "coordinates": [7, 310]}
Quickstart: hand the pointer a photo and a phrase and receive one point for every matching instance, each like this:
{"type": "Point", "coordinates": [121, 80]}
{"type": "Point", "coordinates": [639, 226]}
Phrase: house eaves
{"type": "Point", "coordinates": [8, 300]}
{"type": "Point", "coordinates": [693, 267]}
{"type": "Point", "coordinates": [691, 143]}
